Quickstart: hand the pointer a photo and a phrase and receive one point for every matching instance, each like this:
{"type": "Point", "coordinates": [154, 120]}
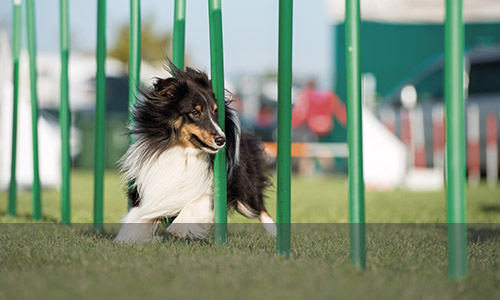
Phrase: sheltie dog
{"type": "Point", "coordinates": [169, 168]}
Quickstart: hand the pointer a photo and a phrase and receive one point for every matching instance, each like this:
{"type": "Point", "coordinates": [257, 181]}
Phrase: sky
{"type": "Point", "coordinates": [250, 32]}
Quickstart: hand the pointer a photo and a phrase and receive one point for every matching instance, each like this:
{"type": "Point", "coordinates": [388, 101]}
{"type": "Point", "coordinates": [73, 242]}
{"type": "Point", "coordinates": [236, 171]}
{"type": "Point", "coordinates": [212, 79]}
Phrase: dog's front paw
{"type": "Point", "coordinates": [136, 233]}
{"type": "Point", "coordinates": [189, 230]}
{"type": "Point", "coordinates": [177, 230]}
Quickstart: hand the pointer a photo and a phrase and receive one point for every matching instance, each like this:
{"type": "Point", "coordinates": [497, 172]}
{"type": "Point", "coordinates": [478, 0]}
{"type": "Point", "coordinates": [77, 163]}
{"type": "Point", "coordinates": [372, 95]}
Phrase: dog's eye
{"type": "Point", "coordinates": [196, 113]}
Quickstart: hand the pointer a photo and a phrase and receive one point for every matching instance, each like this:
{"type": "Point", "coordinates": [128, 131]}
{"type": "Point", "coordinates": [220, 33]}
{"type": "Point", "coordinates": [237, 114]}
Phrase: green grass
{"type": "Point", "coordinates": [314, 200]}
{"type": "Point", "coordinates": [403, 260]}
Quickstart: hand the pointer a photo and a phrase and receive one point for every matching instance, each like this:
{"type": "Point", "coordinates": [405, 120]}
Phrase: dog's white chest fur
{"type": "Point", "coordinates": [171, 181]}
{"type": "Point", "coordinates": [178, 182]}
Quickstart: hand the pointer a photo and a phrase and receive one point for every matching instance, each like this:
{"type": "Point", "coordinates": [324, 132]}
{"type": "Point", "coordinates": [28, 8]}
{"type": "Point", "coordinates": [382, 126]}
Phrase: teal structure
{"type": "Point", "coordinates": [392, 52]}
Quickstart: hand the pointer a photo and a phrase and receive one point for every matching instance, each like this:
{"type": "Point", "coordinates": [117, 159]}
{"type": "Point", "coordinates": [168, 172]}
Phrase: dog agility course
{"type": "Point", "coordinates": [455, 122]}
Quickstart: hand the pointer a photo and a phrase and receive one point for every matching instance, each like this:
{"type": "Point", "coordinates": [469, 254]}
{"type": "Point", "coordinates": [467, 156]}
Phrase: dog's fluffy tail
{"type": "Point", "coordinates": [233, 139]}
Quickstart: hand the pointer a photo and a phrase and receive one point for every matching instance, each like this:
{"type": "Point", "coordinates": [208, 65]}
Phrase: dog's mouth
{"type": "Point", "coordinates": [205, 147]}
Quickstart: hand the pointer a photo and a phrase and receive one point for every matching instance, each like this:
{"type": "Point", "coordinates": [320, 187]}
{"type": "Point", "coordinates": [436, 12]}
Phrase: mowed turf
{"type": "Point", "coordinates": [322, 199]}
{"type": "Point", "coordinates": [403, 260]}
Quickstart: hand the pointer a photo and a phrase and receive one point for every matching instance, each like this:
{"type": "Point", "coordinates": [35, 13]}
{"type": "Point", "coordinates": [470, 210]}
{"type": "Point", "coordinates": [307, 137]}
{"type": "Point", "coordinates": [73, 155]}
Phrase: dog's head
{"type": "Point", "coordinates": [183, 110]}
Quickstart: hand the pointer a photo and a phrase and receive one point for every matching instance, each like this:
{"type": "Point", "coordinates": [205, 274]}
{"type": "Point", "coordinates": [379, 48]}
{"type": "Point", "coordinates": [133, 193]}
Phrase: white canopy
{"type": "Point", "coordinates": [384, 156]}
{"type": "Point", "coordinates": [416, 11]}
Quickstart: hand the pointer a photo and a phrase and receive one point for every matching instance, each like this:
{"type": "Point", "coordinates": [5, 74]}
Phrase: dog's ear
{"type": "Point", "coordinates": [169, 88]}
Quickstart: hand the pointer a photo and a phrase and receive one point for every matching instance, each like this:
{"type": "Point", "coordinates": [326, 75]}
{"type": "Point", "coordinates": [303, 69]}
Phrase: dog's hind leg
{"type": "Point", "coordinates": [268, 223]}
{"type": "Point", "coordinates": [254, 213]}
{"type": "Point", "coordinates": [135, 228]}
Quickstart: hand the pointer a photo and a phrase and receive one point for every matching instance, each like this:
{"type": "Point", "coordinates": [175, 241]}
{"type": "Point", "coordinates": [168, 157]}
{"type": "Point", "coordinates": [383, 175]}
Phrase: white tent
{"type": "Point", "coordinates": [82, 69]}
{"type": "Point", "coordinates": [48, 132]}
{"type": "Point", "coordinates": [416, 11]}
{"type": "Point", "coordinates": [49, 147]}
{"type": "Point", "coordinates": [384, 156]}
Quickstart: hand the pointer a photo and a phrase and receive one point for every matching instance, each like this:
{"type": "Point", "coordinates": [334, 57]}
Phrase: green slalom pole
{"type": "Point", "coordinates": [16, 51]}
{"type": "Point", "coordinates": [100, 117]}
{"type": "Point", "coordinates": [179, 33]}
{"type": "Point", "coordinates": [134, 55]}
{"type": "Point", "coordinates": [284, 127]}
{"type": "Point", "coordinates": [134, 63]}
{"type": "Point", "coordinates": [179, 42]}
{"type": "Point", "coordinates": [31, 28]}
{"type": "Point", "coordinates": [455, 140]}
{"type": "Point", "coordinates": [217, 70]}
{"type": "Point", "coordinates": [64, 113]}
{"type": "Point", "coordinates": [355, 136]}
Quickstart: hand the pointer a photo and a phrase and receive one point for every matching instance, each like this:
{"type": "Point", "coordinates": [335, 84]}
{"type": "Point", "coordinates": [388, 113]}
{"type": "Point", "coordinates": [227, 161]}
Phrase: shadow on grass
{"type": "Point", "coordinates": [479, 235]}
{"type": "Point", "coordinates": [106, 234]}
{"type": "Point", "coordinates": [476, 233]}
{"type": "Point", "coordinates": [28, 218]}
{"type": "Point", "coordinates": [490, 208]}
{"type": "Point", "coordinates": [110, 231]}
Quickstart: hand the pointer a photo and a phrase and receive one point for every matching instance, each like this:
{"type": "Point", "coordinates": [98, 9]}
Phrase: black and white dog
{"type": "Point", "coordinates": [170, 165]}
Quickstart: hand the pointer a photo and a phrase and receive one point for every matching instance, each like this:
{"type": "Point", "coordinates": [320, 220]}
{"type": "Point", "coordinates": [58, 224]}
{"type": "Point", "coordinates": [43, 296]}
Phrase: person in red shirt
{"type": "Point", "coordinates": [312, 118]}
{"type": "Point", "coordinates": [317, 109]}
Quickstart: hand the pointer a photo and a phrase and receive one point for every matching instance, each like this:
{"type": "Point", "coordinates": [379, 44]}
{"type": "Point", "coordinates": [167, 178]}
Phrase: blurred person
{"type": "Point", "coordinates": [316, 109]}
{"type": "Point", "coordinates": [312, 120]}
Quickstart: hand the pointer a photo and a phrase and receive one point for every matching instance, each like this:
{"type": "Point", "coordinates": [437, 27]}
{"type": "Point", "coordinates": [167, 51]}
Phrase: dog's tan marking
{"type": "Point", "coordinates": [178, 123]}
{"type": "Point", "coordinates": [191, 129]}
{"type": "Point", "coordinates": [215, 107]}
{"type": "Point", "coordinates": [264, 214]}
{"type": "Point", "coordinates": [184, 139]}
{"type": "Point", "coordinates": [198, 108]}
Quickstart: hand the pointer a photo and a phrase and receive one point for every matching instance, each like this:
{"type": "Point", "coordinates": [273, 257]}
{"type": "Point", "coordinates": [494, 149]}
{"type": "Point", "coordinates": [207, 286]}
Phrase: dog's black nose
{"type": "Point", "coordinates": [220, 140]}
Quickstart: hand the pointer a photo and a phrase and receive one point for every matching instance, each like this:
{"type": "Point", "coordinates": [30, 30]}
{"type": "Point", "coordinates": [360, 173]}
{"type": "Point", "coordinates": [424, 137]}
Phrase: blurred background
{"type": "Point", "coordinates": [402, 82]}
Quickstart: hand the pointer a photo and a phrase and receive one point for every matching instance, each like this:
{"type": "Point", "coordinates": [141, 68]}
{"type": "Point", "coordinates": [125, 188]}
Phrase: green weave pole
{"type": "Point", "coordinates": [134, 64]}
{"type": "Point", "coordinates": [455, 140]}
{"type": "Point", "coordinates": [30, 18]}
{"type": "Point", "coordinates": [179, 43]}
{"type": "Point", "coordinates": [16, 51]}
{"type": "Point", "coordinates": [283, 218]}
{"type": "Point", "coordinates": [217, 70]}
{"type": "Point", "coordinates": [355, 136]}
{"type": "Point", "coordinates": [100, 117]}
{"type": "Point", "coordinates": [179, 33]}
{"type": "Point", "coordinates": [64, 113]}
